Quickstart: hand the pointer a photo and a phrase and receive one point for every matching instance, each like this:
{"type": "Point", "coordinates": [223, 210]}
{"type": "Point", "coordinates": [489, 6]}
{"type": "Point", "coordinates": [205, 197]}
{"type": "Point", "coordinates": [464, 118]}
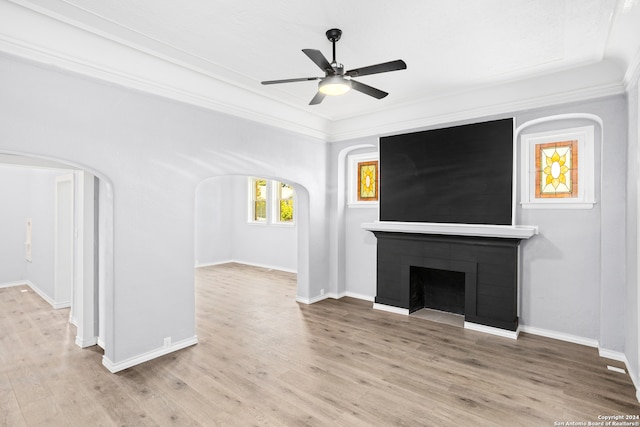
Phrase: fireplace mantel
{"type": "Point", "coordinates": [478, 230]}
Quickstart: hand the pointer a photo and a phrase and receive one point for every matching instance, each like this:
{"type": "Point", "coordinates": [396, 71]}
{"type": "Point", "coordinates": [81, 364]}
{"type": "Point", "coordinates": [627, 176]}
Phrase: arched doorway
{"type": "Point", "coordinates": [88, 240]}
{"type": "Point", "coordinates": [223, 232]}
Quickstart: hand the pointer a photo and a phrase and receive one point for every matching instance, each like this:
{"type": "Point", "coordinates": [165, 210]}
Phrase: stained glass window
{"type": "Point", "coordinates": [368, 181]}
{"type": "Point", "coordinates": [557, 169]}
{"type": "Point", "coordinates": [552, 177]}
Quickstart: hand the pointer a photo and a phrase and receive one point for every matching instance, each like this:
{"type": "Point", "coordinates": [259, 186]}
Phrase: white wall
{"type": "Point", "coordinates": [360, 253]}
{"type": "Point", "coordinates": [150, 154]}
{"type": "Point", "coordinates": [360, 245]}
{"type": "Point", "coordinates": [28, 193]}
{"type": "Point", "coordinates": [353, 256]}
{"type": "Point", "coordinates": [574, 271]}
{"type": "Point", "coordinates": [214, 212]}
{"type": "Point", "coordinates": [14, 192]}
{"type": "Point", "coordinates": [561, 265]}
{"type": "Point", "coordinates": [223, 233]}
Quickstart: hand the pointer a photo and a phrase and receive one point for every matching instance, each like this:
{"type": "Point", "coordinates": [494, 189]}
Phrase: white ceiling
{"type": "Point", "coordinates": [461, 55]}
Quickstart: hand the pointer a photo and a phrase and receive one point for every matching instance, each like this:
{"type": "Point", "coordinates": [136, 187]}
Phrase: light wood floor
{"type": "Point", "coordinates": [263, 359]}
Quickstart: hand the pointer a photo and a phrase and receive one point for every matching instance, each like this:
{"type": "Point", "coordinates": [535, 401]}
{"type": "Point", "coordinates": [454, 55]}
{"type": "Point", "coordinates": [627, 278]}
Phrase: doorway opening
{"type": "Point", "coordinates": [226, 229]}
{"type": "Point", "coordinates": [65, 221]}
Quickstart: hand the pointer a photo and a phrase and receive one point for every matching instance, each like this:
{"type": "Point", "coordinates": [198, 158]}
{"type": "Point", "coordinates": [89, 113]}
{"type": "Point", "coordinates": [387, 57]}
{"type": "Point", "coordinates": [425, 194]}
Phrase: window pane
{"type": "Point", "coordinates": [368, 181]}
{"type": "Point", "coordinates": [286, 210]}
{"type": "Point", "coordinates": [260, 189]}
{"type": "Point", "coordinates": [259, 200]}
{"type": "Point", "coordinates": [557, 174]}
{"type": "Point", "coordinates": [285, 202]}
{"type": "Point", "coordinates": [260, 210]}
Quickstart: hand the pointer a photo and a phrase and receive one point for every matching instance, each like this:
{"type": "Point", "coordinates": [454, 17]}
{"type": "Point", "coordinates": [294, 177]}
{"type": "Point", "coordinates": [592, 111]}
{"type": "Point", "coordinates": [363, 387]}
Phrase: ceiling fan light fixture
{"type": "Point", "coordinates": [336, 80]}
{"type": "Point", "coordinates": [334, 86]}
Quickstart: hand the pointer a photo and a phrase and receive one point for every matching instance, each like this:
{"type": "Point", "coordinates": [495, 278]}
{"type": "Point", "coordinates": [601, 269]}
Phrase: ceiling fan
{"type": "Point", "coordinates": [336, 81]}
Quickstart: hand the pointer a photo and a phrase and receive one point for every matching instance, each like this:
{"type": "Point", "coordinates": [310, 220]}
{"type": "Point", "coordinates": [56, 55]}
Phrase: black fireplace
{"type": "Point", "coordinates": [477, 276]}
{"type": "Point", "coordinates": [446, 238]}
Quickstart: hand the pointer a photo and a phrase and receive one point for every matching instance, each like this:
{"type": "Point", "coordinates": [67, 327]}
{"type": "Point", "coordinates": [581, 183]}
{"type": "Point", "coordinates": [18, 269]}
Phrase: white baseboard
{"type": "Point", "coordinates": [100, 343]}
{"type": "Point", "coordinates": [634, 377]}
{"type": "Point", "coordinates": [559, 336]}
{"type": "Point", "coordinates": [269, 267]}
{"type": "Point", "coordinates": [44, 296]}
{"type": "Point", "coordinates": [390, 309]}
{"type": "Point", "coordinates": [335, 296]}
{"type": "Point", "coordinates": [34, 288]}
{"type": "Point", "coordinates": [602, 352]}
{"type": "Point", "coordinates": [621, 357]}
{"type": "Point", "coordinates": [351, 295]}
{"type": "Point", "coordinates": [12, 284]}
{"type": "Point", "coordinates": [613, 355]}
{"type": "Point", "coordinates": [491, 330]}
{"type": "Point", "coordinates": [86, 343]}
{"type": "Point", "coordinates": [58, 305]}
{"type": "Point", "coordinates": [211, 264]}
{"type": "Point", "coordinates": [312, 300]}
{"type": "Point", "coordinates": [136, 360]}
{"type": "Point", "coordinates": [359, 296]}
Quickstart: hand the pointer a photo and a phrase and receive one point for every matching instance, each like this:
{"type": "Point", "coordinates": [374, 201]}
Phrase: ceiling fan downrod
{"type": "Point", "coordinates": [334, 35]}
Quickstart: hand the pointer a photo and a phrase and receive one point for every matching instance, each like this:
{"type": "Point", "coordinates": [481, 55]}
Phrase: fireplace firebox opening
{"type": "Point", "coordinates": [437, 289]}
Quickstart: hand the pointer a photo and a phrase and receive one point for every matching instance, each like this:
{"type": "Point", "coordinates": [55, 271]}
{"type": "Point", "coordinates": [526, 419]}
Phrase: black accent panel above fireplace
{"type": "Point", "coordinates": [489, 266]}
{"type": "Point", "coordinates": [461, 174]}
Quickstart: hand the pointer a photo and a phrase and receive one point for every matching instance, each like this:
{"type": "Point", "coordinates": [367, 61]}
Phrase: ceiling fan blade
{"type": "Point", "coordinates": [302, 79]}
{"type": "Point", "coordinates": [317, 99]}
{"type": "Point", "coordinates": [318, 58]}
{"type": "Point", "coordinates": [368, 90]}
{"type": "Point", "coordinates": [378, 68]}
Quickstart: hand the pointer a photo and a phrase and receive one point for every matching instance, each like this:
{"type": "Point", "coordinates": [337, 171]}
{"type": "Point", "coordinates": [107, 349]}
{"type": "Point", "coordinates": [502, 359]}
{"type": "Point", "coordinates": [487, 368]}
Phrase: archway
{"type": "Point", "coordinates": [225, 188]}
{"type": "Point", "coordinates": [90, 303]}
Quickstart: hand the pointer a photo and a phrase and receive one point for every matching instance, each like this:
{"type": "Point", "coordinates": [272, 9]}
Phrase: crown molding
{"type": "Point", "coordinates": [405, 117]}
{"type": "Point", "coordinates": [632, 76]}
{"type": "Point", "coordinates": [92, 54]}
{"type": "Point", "coordinates": [88, 52]}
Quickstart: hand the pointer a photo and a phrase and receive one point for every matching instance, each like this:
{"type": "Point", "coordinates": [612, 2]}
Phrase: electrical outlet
{"type": "Point", "coordinates": [321, 291]}
{"type": "Point", "coordinates": [167, 342]}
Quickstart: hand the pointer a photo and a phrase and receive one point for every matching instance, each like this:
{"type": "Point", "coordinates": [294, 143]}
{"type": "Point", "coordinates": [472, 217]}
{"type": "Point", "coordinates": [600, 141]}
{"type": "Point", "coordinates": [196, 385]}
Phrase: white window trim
{"type": "Point", "coordinates": [250, 202]}
{"type": "Point", "coordinates": [352, 180]}
{"type": "Point", "coordinates": [272, 214]}
{"type": "Point", "coordinates": [586, 182]}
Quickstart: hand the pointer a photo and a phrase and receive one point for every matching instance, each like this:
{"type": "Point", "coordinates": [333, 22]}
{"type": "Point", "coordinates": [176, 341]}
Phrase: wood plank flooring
{"type": "Point", "coordinates": [264, 360]}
